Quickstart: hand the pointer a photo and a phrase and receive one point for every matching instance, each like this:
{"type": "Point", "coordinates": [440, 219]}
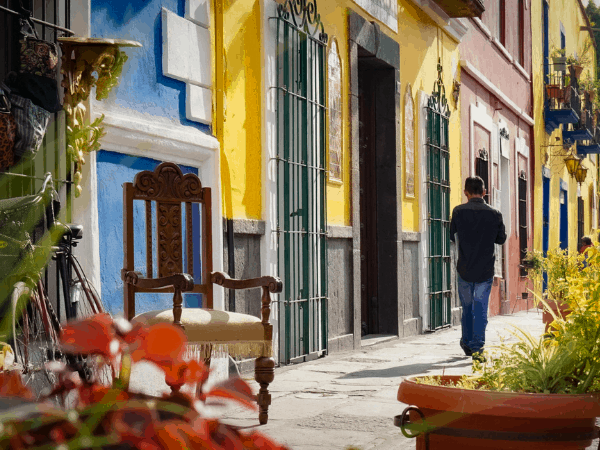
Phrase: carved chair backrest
{"type": "Point", "coordinates": [172, 193]}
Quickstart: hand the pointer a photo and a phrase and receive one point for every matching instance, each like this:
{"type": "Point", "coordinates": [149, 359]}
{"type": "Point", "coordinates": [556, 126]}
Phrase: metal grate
{"type": "Point", "coordinates": [523, 219]}
{"type": "Point", "coordinates": [51, 18]}
{"type": "Point", "coordinates": [301, 227]}
{"type": "Point", "coordinates": [438, 206]}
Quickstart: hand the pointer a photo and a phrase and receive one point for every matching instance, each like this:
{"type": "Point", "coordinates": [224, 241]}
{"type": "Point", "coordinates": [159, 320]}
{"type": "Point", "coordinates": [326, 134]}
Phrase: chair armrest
{"type": "Point", "coordinates": [180, 281]}
{"type": "Point", "coordinates": [268, 284]}
{"type": "Point", "coordinates": [274, 284]}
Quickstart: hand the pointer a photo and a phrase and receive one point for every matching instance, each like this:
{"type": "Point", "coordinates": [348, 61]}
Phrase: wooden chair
{"type": "Point", "coordinates": [171, 192]}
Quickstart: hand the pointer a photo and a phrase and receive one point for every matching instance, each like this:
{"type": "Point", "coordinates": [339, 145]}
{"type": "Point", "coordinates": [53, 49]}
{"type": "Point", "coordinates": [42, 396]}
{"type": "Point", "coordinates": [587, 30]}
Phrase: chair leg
{"type": "Point", "coordinates": [264, 374]}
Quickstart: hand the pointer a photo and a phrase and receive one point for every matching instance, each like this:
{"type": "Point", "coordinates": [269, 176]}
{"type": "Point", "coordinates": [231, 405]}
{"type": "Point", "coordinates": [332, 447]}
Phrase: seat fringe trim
{"type": "Point", "coordinates": [200, 351]}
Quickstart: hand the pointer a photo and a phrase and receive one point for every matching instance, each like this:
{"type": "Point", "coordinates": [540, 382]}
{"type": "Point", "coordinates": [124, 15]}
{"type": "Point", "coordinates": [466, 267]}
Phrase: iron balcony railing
{"type": "Point", "coordinates": [562, 92]}
{"type": "Point", "coordinates": [587, 115]}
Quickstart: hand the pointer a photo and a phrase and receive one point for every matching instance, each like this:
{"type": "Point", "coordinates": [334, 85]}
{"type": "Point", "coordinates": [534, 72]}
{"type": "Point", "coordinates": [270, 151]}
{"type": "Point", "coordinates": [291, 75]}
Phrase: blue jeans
{"type": "Point", "coordinates": [474, 298]}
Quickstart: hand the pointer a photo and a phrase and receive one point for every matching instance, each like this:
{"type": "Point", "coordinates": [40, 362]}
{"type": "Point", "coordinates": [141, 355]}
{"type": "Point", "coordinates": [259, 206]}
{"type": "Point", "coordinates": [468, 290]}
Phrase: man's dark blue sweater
{"type": "Point", "coordinates": [478, 227]}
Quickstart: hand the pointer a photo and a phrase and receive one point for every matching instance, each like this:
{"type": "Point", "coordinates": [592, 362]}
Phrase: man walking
{"type": "Point", "coordinates": [475, 227]}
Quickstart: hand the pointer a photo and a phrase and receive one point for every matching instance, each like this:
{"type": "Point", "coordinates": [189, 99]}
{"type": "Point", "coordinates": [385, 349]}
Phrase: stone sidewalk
{"type": "Point", "coordinates": [349, 399]}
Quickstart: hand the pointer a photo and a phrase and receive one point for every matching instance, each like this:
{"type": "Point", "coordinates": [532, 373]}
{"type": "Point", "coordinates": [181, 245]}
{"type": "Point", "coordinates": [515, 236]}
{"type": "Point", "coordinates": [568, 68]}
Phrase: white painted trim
{"type": "Point", "coordinates": [145, 137]}
{"type": "Point", "coordinates": [503, 50]}
{"type": "Point", "coordinates": [424, 242]}
{"type": "Point", "coordinates": [457, 29]}
{"type": "Point", "coordinates": [466, 65]}
{"type": "Point", "coordinates": [482, 26]}
{"type": "Point", "coordinates": [522, 70]}
{"type": "Point", "coordinates": [546, 172]}
{"type": "Point", "coordinates": [478, 114]}
{"type": "Point", "coordinates": [564, 185]}
{"type": "Point", "coordinates": [454, 27]}
{"type": "Point", "coordinates": [268, 243]}
{"type": "Point", "coordinates": [85, 207]}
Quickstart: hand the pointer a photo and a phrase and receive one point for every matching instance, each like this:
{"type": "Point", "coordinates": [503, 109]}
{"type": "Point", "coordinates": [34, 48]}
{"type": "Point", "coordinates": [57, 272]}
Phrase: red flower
{"type": "Point", "coordinates": [11, 385]}
{"type": "Point", "coordinates": [234, 389]}
{"type": "Point", "coordinates": [179, 373]}
{"type": "Point", "coordinates": [162, 344]}
{"type": "Point", "coordinates": [95, 336]}
{"type": "Point", "coordinates": [180, 435]}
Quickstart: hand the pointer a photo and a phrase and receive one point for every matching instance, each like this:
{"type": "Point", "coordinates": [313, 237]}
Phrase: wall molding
{"type": "Point", "coordinates": [470, 68]}
{"type": "Point", "coordinates": [456, 28]}
{"type": "Point", "coordinates": [246, 226]}
{"type": "Point", "coordinates": [339, 232]}
{"type": "Point", "coordinates": [411, 236]}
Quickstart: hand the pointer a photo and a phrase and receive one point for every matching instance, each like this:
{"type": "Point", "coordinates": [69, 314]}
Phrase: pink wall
{"type": "Point", "coordinates": [472, 91]}
{"type": "Point", "coordinates": [487, 57]}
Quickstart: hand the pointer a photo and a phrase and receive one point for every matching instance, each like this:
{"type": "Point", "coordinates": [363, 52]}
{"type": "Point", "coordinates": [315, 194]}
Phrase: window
{"type": "Point", "coordinates": [438, 209]}
{"type": "Point", "coordinates": [301, 173]}
{"type": "Point", "coordinates": [545, 19]}
{"type": "Point", "coordinates": [521, 33]}
{"type": "Point", "coordinates": [482, 170]}
{"type": "Point", "coordinates": [500, 24]}
{"type": "Point", "coordinates": [523, 217]}
{"type": "Point", "coordinates": [334, 87]}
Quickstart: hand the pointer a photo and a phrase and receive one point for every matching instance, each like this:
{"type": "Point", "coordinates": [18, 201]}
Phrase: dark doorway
{"type": "Point", "coordinates": [368, 201]}
{"type": "Point", "coordinates": [378, 206]}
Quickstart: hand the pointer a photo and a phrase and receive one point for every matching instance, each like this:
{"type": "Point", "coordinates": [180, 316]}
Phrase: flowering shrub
{"type": "Point", "coordinates": [113, 417]}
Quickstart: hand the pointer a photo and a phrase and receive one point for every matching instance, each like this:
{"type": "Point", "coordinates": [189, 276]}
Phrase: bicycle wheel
{"type": "Point", "coordinates": [84, 299]}
{"type": "Point", "coordinates": [85, 302]}
{"type": "Point", "coordinates": [35, 338]}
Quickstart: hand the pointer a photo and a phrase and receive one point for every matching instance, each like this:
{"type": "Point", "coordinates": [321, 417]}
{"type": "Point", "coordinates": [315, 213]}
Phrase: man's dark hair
{"type": "Point", "coordinates": [474, 185]}
{"type": "Point", "coordinates": [586, 240]}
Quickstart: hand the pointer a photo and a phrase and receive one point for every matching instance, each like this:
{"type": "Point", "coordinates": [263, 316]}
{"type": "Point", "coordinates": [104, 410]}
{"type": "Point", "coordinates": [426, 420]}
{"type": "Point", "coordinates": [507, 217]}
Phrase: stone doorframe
{"type": "Point", "coordinates": [365, 40]}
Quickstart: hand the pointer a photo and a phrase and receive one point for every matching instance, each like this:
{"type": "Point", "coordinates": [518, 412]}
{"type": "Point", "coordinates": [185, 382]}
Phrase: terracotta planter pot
{"type": "Point", "coordinates": [554, 91]}
{"type": "Point", "coordinates": [577, 69]}
{"type": "Point", "coordinates": [475, 420]}
{"type": "Point", "coordinates": [547, 318]}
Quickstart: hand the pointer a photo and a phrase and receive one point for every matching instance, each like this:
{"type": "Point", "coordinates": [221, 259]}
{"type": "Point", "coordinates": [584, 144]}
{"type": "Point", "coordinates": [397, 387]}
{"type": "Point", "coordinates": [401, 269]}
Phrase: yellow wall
{"type": "Point", "coordinates": [418, 37]}
{"type": "Point", "coordinates": [239, 97]}
{"type": "Point", "coordinates": [238, 102]}
{"type": "Point", "coordinates": [421, 44]}
{"type": "Point", "coordinates": [569, 13]}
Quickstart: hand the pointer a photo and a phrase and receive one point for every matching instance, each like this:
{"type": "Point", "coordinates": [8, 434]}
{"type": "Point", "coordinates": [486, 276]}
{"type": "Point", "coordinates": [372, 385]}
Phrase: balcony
{"type": "Point", "coordinates": [563, 102]}
{"type": "Point", "coordinates": [584, 129]}
{"type": "Point", "coordinates": [591, 146]}
{"type": "Point", "coordinates": [461, 8]}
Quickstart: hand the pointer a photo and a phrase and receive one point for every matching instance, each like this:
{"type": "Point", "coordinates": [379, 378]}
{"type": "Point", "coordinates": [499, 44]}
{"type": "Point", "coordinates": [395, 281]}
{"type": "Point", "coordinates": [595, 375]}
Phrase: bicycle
{"type": "Point", "coordinates": [36, 323]}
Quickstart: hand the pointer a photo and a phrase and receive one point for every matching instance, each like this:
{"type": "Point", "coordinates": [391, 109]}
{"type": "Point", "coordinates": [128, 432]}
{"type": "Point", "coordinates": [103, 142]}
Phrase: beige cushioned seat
{"type": "Point", "coordinates": [221, 331]}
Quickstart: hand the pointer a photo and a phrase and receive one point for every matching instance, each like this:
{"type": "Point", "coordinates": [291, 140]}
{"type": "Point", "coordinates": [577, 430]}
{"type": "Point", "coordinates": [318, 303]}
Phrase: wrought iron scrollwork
{"type": "Point", "coordinates": [482, 154]}
{"type": "Point", "coordinates": [304, 16]}
{"type": "Point", "coordinates": [437, 101]}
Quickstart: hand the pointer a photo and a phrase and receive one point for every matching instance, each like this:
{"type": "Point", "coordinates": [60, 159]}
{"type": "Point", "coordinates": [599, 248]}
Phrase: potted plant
{"type": "Point", "coordinates": [114, 417]}
{"type": "Point", "coordinates": [559, 59]}
{"type": "Point", "coordinates": [576, 62]}
{"type": "Point", "coordinates": [558, 267]}
{"type": "Point", "coordinates": [589, 86]}
{"type": "Point", "coordinates": [530, 394]}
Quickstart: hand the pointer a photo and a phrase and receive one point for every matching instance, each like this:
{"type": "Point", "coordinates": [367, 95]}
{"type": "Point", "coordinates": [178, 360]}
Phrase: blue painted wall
{"type": "Point", "coordinates": [114, 169]}
{"type": "Point", "coordinates": [143, 87]}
